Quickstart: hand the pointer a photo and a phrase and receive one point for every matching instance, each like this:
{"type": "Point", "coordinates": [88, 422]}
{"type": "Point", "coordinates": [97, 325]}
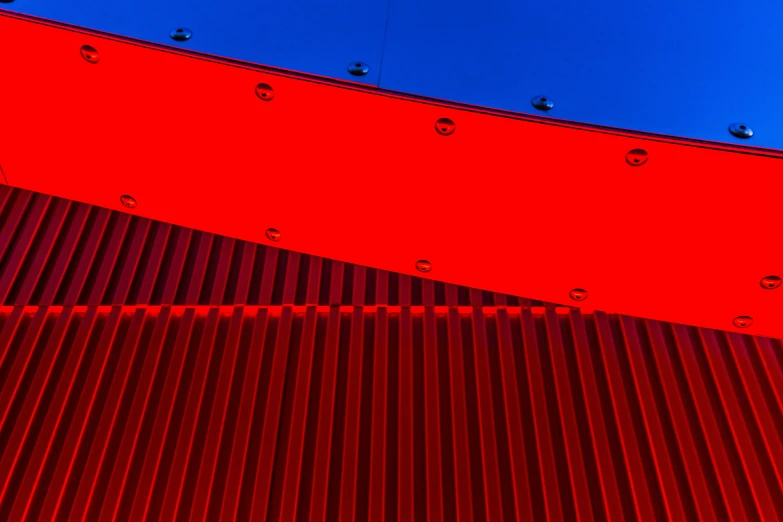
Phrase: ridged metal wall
{"type": "Point", "coordinates": [286, 414]}
{"type": "Point", "coordinates": [313, 412]}
{"type": "Point", "coordinates": [59, 252]}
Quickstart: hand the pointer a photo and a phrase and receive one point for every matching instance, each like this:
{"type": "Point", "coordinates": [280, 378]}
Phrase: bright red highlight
{"type": "Point", "coordinates": [505, 203]}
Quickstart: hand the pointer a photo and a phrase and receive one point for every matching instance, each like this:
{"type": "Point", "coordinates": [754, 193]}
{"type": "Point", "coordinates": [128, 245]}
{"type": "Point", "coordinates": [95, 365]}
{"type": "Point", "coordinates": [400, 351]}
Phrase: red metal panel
{"type": "Point", "coordinates": [54, 257]}
{"type": "Point", "coordinates": [506, 203]}
{"type": "Point", "coordinates": [307, 413]}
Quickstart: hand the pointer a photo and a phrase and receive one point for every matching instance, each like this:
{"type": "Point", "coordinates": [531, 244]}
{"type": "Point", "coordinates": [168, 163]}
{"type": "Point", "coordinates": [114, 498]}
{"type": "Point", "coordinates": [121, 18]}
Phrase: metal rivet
{"type": "Point", "coordinates": [636, 157]}
{"type": "Point", "coordinates": [771, 282]}
{"type": "Point", "coordinates": [542, 103]}
{"type": "Point", "coordinates": [423, 266]}
{"type": "Point", "coordinates": [273, 234]}
{"type": "Point", "coordinates": [128, 201]}
{"type": "Point", "coordinates": [741, 130]}
{"type": "Point", "coordinates": [181, 34]}
{"type": "Point", "coordinates": [90, 53]}
{"type": "Point", "coordinates": [743, 321]}
{"type": "Point", "coordinates": [265, 92]}
{"type": "Point", "coordinates": [445, 126]}
{"type": "Point", "coordinates": [578, 294]}
{"type": "Point", "coordinates": [358, 68]}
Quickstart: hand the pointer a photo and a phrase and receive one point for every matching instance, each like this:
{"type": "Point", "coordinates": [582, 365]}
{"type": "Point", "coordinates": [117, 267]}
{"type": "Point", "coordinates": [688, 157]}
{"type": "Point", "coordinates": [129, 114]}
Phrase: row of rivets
{"type": "Point", "coordinates": [740, 130]}
{"type": "Point", "coordinates": [181, 34]}
{"type": "Point", "coordinates": [635, 157]}
{"type": "Point", "coordinates": [770, 282]}
{"type": "Point", "coordinates": [577, 294]}
{"type": "Point", "coordinates": [444, 126]}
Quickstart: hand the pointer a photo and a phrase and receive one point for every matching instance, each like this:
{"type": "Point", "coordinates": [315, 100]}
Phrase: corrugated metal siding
{"type": "Point", "coordinates": [413, 400]}
{"type": "Point", "coordinates": [58, 252]}
{"type": "Point", "coordinates": [284, 413]}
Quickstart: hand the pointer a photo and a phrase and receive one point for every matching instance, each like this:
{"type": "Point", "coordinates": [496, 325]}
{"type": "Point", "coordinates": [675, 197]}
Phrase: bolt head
{"type": "Point", "coordinates": [180, 34]}
{"type": "Point", "coordinates": [445, 127]}
{"type": "Point", "coordinates": [265, 92]}
{"type": "Point", "coordinates": [128, 201]}
{"type": "Point", "coordinates": [272, 234]}
{"type": "Point", "coordinates": [771, 282]}
{"type": "Point", "coordinates": [636, 157]}
{"type": "Point", "coordinates": [578, 294]}
{"type": "Point", "coordinates": [358, 68]}
{"type": "Point", "coordinates": [423, 266]}
{"type": "Point", "coordinates": [740, 130]}
{"type": "Point", "coordinates": [743, 321]}
{"type": "Point", "coordinates": [543, 103]}
{"type": "Point", "coordinates": [90, 54]}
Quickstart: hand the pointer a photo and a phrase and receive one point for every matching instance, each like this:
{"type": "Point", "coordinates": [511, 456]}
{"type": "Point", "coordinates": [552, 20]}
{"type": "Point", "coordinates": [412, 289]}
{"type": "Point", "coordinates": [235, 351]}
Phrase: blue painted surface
{"type": "Point", "coordinates": [686, 69]}
{"type": "Point", "coordinates": [318, 37]}
{"type": "Point", "coordinates": [683, 68]}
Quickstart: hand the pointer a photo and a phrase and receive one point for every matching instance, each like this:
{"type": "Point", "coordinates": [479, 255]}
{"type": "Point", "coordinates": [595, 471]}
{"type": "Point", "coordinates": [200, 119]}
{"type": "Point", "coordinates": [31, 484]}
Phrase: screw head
{"type": "Point", "coordinates": [578, 294]}
{"type": "Point", "coordinates": [358, 68]}
{"type": "Point", "coordinates": [272, 234]}
{"type": "Point", "coordinates": [445, 127]}
{"type": "Point", "coordinates": [128, 201]}
{"type": "Point", "coordinates": [265, 92]}
{"type": "Point", "coordinates": [180, 34]}
{"type": "Point", "coordinates": [90, 54]}
{"type": "Point", "coordinates": [741, 130]}
{"type": "Point", "coordinates": [542, 103]}
{"type": "Point", "coordinates": [771, 282]}
{"type": "Point", "coordinates": [423, 266]}
{"type": "Point", "coordinates": [636, 157]}
{"type": "Point", "coordinates": [743, 321]}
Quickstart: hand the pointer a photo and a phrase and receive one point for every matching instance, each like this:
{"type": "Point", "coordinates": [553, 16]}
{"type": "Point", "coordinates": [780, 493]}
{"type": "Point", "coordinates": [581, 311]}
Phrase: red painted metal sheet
{"type": "Point", "coordinates": [388, 413]}
{"type": "Point", "coordinates": [506, 203]}
{"type": "Point", "coordinates": [59, 252]}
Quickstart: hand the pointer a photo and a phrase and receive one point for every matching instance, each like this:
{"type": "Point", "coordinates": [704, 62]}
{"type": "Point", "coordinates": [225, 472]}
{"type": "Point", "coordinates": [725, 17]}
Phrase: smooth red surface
{"type": "Point", "coordinates": [504, 204]}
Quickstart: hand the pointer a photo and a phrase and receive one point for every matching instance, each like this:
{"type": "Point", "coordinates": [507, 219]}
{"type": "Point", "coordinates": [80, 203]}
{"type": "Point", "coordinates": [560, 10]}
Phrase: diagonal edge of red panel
{"type": "Point", "coordinates": [55, 252]}
{"type": "Point", "coordinates": [380, 158]}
